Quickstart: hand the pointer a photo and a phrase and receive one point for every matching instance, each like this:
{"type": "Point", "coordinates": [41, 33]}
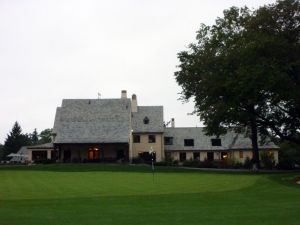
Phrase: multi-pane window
{"type": "Point", "coordinates": [216, 142]}
{"type": "Point", "coordinates": [151, 139]}
{"type": "Point", "coordinates": [168, 140]}
{"type": "Point", "coordinates": [188, 142]}
{"type": "Point", "coordinates": [241, 154]}
{"type": "Point", "coordinates": [136, 138]}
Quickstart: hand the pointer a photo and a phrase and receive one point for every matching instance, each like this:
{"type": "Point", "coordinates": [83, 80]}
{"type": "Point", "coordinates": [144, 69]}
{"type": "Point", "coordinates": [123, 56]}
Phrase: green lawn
{"type": "Point", "coordinates": [110, 194]}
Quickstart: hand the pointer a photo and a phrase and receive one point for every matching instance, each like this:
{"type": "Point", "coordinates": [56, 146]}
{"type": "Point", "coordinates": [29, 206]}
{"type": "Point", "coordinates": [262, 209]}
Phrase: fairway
{"type": "Point", "coordinates": [122, 194]}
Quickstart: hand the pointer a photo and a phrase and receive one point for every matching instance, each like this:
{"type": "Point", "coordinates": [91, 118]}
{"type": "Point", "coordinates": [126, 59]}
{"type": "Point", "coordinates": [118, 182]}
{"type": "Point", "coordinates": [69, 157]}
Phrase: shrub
{"type": "Point", "coordinates": [137, 160]}
{"type": "Point", "coordinates": [289, 156]}
{"type": "Point", "coordinates": [267, 159]}
{"type": "Point", "coordinates": [191, 163]}
{"type": "Point", "coordinates": [44, 161]}
{"type": "Point", "coordinates": [175, 163]}
{"type": "Point", "coordinates": [248, 163]}
{"type": "Point", "coordinates": [238, 165]}
{"type": "Point", "coordinates": [161, 163]}
{"type": "Point", "coordinates": [75, 160]}
{"type": "Point", "coordinates": [206, 164]}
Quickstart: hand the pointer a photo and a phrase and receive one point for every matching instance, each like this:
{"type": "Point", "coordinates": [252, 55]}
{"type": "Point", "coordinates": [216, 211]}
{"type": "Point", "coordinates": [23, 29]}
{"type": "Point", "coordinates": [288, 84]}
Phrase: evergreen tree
{"type": "Point", "coordinates": [34, 137]}
{"type": "Point", "coordinates": [15, 140]}
{"type": "Point", "coordinates": [1, 151]}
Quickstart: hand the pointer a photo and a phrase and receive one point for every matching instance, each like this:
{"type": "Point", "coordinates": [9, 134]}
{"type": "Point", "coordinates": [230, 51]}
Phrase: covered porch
{"type": "Point", "coordinates": [39, 153]}
{"type": "Point", "coordinates": [114, 152]}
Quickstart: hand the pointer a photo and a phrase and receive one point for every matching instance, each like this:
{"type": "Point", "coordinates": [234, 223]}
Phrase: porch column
{"type": "Point", "coordinates": [29, 155]}
{"type": "Point", "coordinates": [48, 154]}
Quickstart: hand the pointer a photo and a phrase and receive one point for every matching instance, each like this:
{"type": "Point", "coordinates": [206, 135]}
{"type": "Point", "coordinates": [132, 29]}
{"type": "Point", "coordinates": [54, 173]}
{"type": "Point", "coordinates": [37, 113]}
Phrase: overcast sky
{"type": "Point", "coordinates": [55, 49]}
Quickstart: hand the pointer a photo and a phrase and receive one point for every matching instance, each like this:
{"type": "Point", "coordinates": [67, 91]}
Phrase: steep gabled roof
{"type": "Point", "coordinates": [93, 121]}
{"type": "Point", "coordinates": [154, 114]}
{"type": "Point", "coordinates": [229, 141]}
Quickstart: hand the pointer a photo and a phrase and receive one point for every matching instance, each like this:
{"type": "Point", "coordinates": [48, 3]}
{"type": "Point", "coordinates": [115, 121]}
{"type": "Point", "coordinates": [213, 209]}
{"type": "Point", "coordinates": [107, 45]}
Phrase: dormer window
{"type": "Point", "coordinates": [168, 140]}
{"type": "Point", "coordinates": [188, 142]}
{"type": "Point", "coordinates": [146, 120]}
{"type": "Point", "coordinates": [216, 142]}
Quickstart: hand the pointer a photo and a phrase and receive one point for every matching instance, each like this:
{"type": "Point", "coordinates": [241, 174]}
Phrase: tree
{"type": "Point", "coordinates": [1, 151]}
{"type": "Point", "coordinates": [243, 72]}
{"type": "Point", "coordinates": [15, 140]}
{"type": "Point", "coordinates": [45, 136]}
{"type": "Point", "coordinates": [34, 137]}
{"type": "Point", "coordinates": [289, 155]}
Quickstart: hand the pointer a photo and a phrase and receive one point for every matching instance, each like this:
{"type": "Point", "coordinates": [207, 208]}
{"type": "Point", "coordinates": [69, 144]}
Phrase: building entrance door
{"type": "Point", "coordinates": [94, 154]}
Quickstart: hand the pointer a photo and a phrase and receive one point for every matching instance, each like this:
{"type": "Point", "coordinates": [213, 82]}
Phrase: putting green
{"type": "Point", "coordinates": [110, 194]}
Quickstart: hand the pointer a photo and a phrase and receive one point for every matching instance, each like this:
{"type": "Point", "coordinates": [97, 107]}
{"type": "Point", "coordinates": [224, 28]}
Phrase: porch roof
{"type": "Point", "coordinates": [41, 146]}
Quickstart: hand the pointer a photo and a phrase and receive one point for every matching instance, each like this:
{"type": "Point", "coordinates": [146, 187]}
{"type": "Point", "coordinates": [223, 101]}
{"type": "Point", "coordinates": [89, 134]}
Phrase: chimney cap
{"type": "Point", "coordinates": [123, 94]}
{"type": "Point", "coordinates": [172, 122]}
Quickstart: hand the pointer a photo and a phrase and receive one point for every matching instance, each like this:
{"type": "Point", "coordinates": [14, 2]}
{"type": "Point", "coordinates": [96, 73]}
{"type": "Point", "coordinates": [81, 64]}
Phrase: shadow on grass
{"type": "Point", "coordinates": [287, 179]}
{"type": "Point", "coordinates": [139, 168]}
{"type": "Point", "coordinates": [89, 167]}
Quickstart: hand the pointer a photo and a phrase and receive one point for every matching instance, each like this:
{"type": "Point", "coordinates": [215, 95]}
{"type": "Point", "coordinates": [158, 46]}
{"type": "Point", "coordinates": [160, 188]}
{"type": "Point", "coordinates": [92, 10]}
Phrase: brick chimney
{"type": "Point", "coordinates": [123, 94]}
{"type": "Point", "coordinates": [133, 103]}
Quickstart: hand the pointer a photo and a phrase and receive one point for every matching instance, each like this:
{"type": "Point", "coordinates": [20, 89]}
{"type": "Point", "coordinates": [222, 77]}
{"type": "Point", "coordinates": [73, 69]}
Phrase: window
{"type": "Point", "coordinates": [210, 156]}
{"type": "Point", "coordinates": [39, 155]}
{"type": "Point", "coordinates": [182, 156]}
{"type": "Point", "coordinates": [168, 140]}
{"type": "Point", "coordinates": [224, 155]}
{"type": "Point", "coordinates": [216, 142]}
{"type": "Point", "coordinates": [241, 154]}
{"type": "Point", "coordinates": [151, 139]}
{"type": "Point", "coordinates": [136, 138]}
{"type": "Point", "coordinates": [147, 157]}
{"type": "Point", "coordinates": [196, 156]}
{"type": "Point", "coordinates": [188, 142]}
{"type": "Point", "coordinates": [146, 120]}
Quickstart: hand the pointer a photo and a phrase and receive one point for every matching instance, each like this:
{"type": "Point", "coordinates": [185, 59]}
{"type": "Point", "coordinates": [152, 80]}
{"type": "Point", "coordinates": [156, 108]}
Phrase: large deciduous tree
{"type": "Point", "coordinates": [244, 71]}
{"type": "Point", "coordinates": [45, 136]}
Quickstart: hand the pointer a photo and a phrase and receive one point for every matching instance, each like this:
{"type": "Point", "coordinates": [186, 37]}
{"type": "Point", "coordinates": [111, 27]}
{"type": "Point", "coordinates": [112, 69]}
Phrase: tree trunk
{"type": "Point", "coordinates": [254, 139]}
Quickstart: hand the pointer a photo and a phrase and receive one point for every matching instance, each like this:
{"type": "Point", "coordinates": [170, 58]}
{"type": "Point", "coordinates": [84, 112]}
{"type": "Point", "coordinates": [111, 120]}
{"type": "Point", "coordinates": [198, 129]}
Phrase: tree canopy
{"type": "Point", "coordinates": [34, 137]}
{"type": "Point", "coordinates": [15, 140]}
{"type": "Point", "coordinates": [45, 136]}
{"type": "Point", "coordinates": [243, 71]}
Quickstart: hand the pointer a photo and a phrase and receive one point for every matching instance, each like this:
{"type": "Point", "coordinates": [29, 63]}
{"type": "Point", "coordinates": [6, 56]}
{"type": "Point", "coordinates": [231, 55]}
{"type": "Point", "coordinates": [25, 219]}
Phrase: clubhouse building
{"type": "Point", "coordinates": [118, 130]}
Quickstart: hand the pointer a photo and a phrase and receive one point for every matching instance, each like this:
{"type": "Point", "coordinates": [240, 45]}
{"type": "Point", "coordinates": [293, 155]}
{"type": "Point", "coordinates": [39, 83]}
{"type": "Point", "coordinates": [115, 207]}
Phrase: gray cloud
{"type": "Point", "coordinates": [50, 50]}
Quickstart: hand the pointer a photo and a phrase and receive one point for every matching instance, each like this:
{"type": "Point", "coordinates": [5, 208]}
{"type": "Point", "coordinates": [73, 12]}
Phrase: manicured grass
{"type": "Point", "coordinates": [115, 194]}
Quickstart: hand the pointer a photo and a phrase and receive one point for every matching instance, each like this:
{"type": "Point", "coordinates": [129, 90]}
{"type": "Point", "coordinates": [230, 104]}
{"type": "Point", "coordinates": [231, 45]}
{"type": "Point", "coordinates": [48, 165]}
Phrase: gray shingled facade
{"type": "Point", "coordinates": [154, 114]}
{"type": "Point", "coordinates": [229, 141]}
{"type": "Point", "coordinates": [93, 121]}
{"type": "Point", "coordinates": [111, 121]}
